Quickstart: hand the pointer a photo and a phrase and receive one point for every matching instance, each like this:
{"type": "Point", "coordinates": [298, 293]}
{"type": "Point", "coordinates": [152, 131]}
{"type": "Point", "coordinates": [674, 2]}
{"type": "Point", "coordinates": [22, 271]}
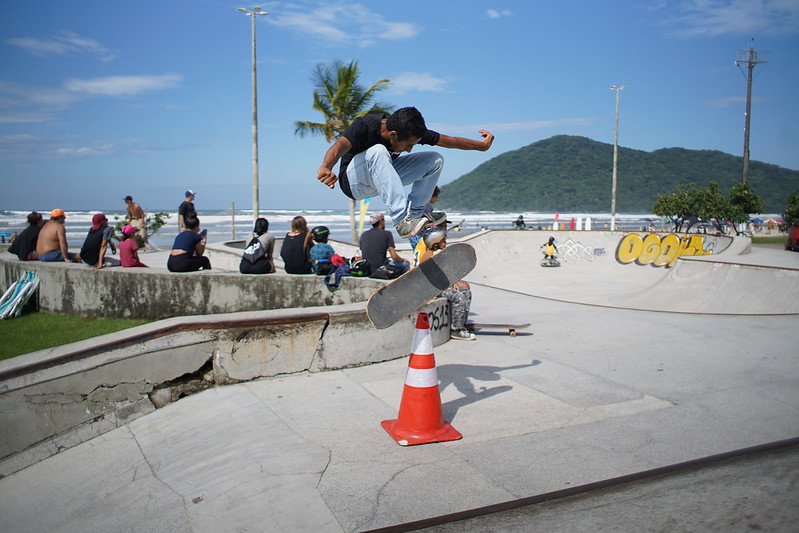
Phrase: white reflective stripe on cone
{"type": "Point", "coordinates": [421, 377]}
{"type": "Point", "coordinates": [422, 342]}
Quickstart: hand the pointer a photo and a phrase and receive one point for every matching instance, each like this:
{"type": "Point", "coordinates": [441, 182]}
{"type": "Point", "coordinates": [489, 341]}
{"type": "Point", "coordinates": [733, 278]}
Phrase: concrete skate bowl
{"type": "Point", "coordinates": [703, 274]}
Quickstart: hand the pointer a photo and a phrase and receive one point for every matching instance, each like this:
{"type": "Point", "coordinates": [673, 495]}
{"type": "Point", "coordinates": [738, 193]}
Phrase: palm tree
{"type": "Point", "coordinates": [341, 99]}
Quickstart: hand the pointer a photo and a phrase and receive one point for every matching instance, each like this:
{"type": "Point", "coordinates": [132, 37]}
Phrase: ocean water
{"type": "Point", "coordinates": [222, 226]}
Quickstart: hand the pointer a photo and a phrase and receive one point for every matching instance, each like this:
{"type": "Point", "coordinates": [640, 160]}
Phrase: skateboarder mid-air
{"type": "Point", "coordinates": [372, 164]}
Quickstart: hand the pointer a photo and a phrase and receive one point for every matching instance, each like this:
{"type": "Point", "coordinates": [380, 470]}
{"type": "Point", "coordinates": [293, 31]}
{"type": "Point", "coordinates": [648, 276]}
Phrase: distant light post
{"type": "Point", "coordinates": [256, 10]}
{"type": "Point", "coordinates": [615, 161]}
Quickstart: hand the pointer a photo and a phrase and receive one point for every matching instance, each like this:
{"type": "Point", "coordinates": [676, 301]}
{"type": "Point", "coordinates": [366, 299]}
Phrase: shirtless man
{"type": "Point", "coordinates": [52, 244]}
{"type": "Point", "coordinates": [136, 217]}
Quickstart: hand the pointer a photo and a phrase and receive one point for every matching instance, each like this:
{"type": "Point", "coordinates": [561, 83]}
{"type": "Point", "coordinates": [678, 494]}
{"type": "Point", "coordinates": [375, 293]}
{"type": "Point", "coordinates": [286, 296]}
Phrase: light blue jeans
{"type": "Point", "coordinates": [374, 173]}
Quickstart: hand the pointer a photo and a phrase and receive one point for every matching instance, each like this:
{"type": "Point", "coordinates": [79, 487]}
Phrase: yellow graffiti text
{"type": "Point", "coordinates": [659, 250]}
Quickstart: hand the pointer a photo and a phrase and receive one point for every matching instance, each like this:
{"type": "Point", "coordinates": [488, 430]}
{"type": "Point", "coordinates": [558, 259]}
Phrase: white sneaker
{"type": "Point", "coordinates": [461, 335]}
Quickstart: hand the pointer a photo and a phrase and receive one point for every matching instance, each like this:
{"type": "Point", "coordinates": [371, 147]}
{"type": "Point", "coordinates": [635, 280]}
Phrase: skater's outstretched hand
{"type": "Point", "coordinates": [462, 143]}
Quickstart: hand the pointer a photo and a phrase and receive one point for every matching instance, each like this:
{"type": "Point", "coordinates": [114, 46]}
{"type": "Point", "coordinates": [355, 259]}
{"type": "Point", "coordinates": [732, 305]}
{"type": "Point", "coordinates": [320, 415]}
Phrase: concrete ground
{"type": "Point", "coordinates": [587, 393]}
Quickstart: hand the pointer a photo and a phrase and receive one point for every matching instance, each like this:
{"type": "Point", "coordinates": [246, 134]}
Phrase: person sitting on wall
{"type": "Point", "coordinates": [378, 241]}
{"type": "Point", "coordinates": [128, 248]}
{"type": "Point", "coordinates": [24, 245]}
{"type": "Point", "coordinates": [321, 251]}
{"type": "Point", "coordinates": [97, 242]}
{"type": "Point", "coordinates": [257, 257]}
{"type": "Point", "coordinates": [459, 295]}
{"type": "Point", "coordinates": [188, 249]}
{"type": "Point", "coordinates": [52, 246]}
{"type": "Point", "coordinates": [296, 247]}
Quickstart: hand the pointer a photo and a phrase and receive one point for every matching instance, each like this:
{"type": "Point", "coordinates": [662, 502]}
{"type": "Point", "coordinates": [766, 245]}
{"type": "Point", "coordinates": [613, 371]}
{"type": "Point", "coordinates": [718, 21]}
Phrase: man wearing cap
{"type": "Point", "coordinates": [186, 208]}
{"type": "Point", "coordinates": [97, 242]}
{"type": "Point", "coordinates": [372, 164]}
{"type": "Point", "coordinates": [378, 241]}
{"type": "Point", "coordinates": [52, 243]}
{"type": "Point", "coordinates": [136, 217]}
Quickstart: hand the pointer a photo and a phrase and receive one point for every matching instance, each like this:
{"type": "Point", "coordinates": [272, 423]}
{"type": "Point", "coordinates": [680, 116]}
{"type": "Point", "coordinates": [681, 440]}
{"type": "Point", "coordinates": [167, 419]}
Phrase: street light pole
{"type": "Point", "coordinates": [615, 161]}
{"type": "Point", "coordinates": [255, 192]}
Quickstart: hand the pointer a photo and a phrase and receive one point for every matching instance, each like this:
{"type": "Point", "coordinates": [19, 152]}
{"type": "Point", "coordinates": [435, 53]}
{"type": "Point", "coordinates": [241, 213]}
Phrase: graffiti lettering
{"type": "Point", "coordinates": [439, 317]}
{"type": "Point", "coordinates": [660, 251]}
{"type": "Point", "coordinates": [571, 251]}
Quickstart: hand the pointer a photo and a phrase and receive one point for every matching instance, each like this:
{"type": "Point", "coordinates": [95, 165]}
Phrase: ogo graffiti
{"type": "Point", "coordinates": [660, 251]}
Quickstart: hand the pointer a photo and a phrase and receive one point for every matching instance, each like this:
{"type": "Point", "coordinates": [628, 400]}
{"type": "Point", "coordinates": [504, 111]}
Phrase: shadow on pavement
{"type": "Point", "coordinates": [461, 377]}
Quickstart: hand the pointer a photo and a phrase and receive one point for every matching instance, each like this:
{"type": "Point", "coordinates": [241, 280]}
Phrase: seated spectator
{"type": "Point", "coordinates": [257, 258]}
{"type": "Point", "coordinates": [187, 251]}
{"type": "Point", "coordinates": [97, 242]}
{"type": "Point", "coordinates": [128, 248]}
{"type": "Point", "coordinates": [52, 246]}
{"type": "Point", "coordinates": [24, 245]}
{"type": "Point", "coordinates": [459, 295]}
{"type": "Point", "coordinates": [296, 248]}
{"type": "Point", "coordinates": [321, 251]}
{"type": "Point", "coordinates": [378, 241]}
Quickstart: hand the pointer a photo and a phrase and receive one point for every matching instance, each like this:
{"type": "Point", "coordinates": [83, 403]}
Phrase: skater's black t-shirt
{"type": "Point", "coordinates": [363, 133]}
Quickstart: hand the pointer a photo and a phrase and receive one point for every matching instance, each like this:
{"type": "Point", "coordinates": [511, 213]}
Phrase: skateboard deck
{"type": "Point", "coordinates": [457, 227]}
{"type": "Point", "coordinates": [510, 328]}
{"type": "Point", "coordinates": [390, 303]}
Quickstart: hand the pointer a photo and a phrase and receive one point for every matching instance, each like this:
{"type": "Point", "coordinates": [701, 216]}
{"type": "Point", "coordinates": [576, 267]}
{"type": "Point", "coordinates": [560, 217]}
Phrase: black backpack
{"type": "Point", "coordinates": [254, 252]}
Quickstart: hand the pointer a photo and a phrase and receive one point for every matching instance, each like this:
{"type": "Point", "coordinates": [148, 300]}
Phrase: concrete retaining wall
{"type": "Point", "coordinates": [54, 399]}
{"type": "Point", "coordinates": [155, 294]}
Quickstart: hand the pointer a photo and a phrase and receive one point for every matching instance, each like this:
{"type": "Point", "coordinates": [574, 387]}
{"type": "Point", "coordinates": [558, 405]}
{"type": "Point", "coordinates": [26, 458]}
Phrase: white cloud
{"type": "Point", "coordinates": [494, 14]}
{"type": "Point", "coordinates": [63, 44]}
{"type": "Point", "coordinates": [25, 104]}
{"type": "Point", "coordinates": [122, 85]}
{"type": "Point", "coordinates": [363, 27]}
{"type": "Point", "coordinates": [84, 151]}
{"type": "Point", "coordinates": [24, 147]}
{"type": "Point", "coordinates": [709, 18]}
{"type": "Point", "coordinates": [417, 81]}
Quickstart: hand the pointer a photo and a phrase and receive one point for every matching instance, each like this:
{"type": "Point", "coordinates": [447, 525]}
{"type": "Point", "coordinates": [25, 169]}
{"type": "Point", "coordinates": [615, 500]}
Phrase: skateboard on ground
{"type": "Point", "coordinates": [510, 328]}
{"type": "Point", "coordinates": [550, 263]}
{"type": "Point", "coordinates": [457, 227]}
{"type": "Point", "coordinates": [390, 303]}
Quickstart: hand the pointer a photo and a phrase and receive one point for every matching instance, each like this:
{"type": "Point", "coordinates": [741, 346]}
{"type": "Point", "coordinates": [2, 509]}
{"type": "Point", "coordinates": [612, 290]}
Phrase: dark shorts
{"type": "Point", "coordinates": [54, 256]}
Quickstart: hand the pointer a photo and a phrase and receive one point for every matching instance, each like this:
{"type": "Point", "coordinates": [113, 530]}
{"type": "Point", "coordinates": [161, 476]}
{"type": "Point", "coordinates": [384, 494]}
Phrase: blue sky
{"type": "Point", "coordinates": [100, 99]}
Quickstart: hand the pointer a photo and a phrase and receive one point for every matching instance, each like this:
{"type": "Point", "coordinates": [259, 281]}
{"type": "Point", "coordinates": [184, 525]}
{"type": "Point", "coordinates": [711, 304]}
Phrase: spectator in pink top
{"type": "Point", "coordinates": [128, 255]}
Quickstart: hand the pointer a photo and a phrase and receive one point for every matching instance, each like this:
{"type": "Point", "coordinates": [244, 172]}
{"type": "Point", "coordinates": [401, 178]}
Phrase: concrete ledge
{"type": "Point", "coordinates": [54, 399]}
{"type": "Point", "coordinates": [154, 294]}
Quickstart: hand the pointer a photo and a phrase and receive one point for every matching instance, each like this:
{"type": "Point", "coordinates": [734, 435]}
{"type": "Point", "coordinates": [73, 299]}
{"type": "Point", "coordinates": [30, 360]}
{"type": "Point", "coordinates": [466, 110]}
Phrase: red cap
{"type": "Point", "coordinates": [97, 220]}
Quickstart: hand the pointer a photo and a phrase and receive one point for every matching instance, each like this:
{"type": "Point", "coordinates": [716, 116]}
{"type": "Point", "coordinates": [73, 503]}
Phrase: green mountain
{"type": "Point", "coordinates": [569, 173]}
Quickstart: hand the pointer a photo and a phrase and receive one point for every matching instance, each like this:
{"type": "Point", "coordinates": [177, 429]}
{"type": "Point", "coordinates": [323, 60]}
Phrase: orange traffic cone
{"type": "Point", "coordinates": [420, 419]}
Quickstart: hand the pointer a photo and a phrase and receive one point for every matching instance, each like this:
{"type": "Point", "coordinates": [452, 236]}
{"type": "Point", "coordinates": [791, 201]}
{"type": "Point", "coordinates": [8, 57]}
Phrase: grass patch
{"type": "Point", "coordinates": [38, 331]}
{"type": "Point", "coordinates": [769, 239]}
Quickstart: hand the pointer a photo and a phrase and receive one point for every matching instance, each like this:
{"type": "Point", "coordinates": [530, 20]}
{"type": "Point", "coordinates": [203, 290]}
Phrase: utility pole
{"type": "Point", "coordinates": [615, 161]}
{"type": "Point", "coordinates": [747, 60]}
{"type": "Point", "coordinates": [255, 192]}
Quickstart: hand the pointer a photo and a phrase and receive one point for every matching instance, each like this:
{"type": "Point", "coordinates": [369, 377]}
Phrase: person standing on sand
{"type": "Point", "coordinates": [52, 243]}
{"type": "Point", "coordinates": [136, 217]}
{"type": "Point", "coordinates": [186, 208]}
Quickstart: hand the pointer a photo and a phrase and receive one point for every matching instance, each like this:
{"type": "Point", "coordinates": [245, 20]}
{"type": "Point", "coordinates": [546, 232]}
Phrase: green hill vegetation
{"type": "Point", "coordinates": [569, 173]}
